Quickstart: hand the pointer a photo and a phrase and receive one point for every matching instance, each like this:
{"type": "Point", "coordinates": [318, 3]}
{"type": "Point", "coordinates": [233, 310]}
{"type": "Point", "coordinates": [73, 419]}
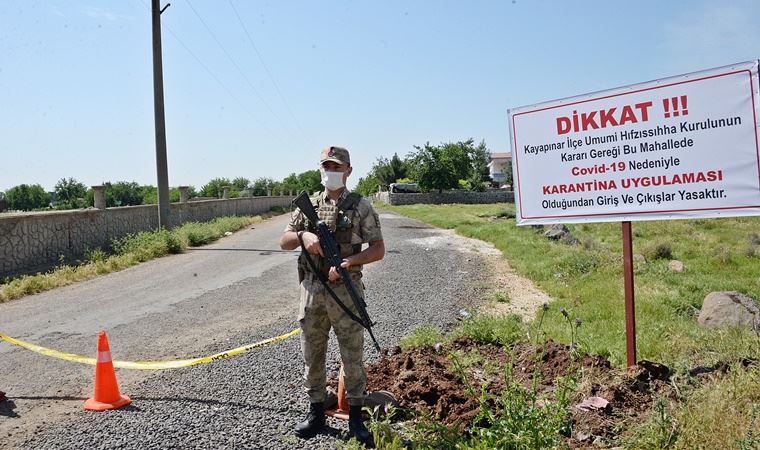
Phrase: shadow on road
{"type": "Point", "coordinates": [7, 408]}
{"type": "Point", "coordinates": [262, 250]}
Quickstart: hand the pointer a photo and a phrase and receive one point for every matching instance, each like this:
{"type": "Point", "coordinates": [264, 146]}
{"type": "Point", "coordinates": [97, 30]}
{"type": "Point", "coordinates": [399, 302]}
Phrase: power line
{"type": "Point", "coordinates": [261, 59]}
{"type": "Point", "coordinates": [234, 63]}
{"type": "Point", "coordinates": [219, 82]}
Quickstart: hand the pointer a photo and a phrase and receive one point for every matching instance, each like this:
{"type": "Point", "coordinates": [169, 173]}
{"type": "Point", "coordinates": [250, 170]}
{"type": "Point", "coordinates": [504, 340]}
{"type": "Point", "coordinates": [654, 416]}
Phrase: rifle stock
{"type": "Point", "coordinates": [334, 259]}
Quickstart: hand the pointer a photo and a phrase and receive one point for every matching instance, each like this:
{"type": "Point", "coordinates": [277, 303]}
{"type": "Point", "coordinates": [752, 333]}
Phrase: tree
{"type": "Point", "coordinates": [456, 156]}
{"type": "Point", "coordinates": [215, 187]}
{"type": "Point", "coordinates": [260, 186]}
{"type": "Point", "coordinates": [367, 185]}
{"type": "Point", "coordinates": [290, 184]}
{"type": "Point", "coordinates": [26, 197]}
{"type": "Point", "coordinates": [240, 183]}
{"type": "Point", "coordinates": [310, 181]}
{"type": "Point", "coordinates": [508, 175]}
{"type": "Point", "coordinates": [70, 193]}
{"type": "Point", "coordinates": [446, 165]}
{"type": "Point", "coordinates": [433, 169]}
{"type": "Point", "coordinates": [123, 193]}
{"type": "Point", "coordinates": [389, 171]}
{"type": "Point", "coordinates": [480, 158]}
{"type": "Point", "coordinates": [277, 188]}
{"type": "Point", "coordinates": [149, 195]}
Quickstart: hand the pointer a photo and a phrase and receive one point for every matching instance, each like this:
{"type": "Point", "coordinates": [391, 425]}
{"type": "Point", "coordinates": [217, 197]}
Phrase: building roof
{"type": "Point", "coordinates": [502, 155]}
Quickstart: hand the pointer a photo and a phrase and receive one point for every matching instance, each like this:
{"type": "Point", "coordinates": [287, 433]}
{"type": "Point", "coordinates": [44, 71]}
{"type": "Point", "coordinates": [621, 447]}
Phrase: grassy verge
{"type": "Point", "coordinates": [127, 252]}
{"type": "Point", "coordinates": [586, 280]}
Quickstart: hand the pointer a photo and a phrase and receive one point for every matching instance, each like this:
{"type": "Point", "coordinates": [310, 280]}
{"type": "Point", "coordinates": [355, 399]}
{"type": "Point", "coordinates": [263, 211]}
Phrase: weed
{"type": "Point", "coordinates": [752, 440]}
{"type": "Point", "coordinates": [500, 297]}
{"type": "Point", "coordinates": [536, 330]}
{"type": "Point", "coordinates": [195, 234]}
{"type": "Point", "coordinates": [661, 432]}
{"type": "Point", "coordinates": [381, 427]}
{"type": "Point", "coordinates": [658, 250]}
{"type": "Point", "coordinates": [515, 418]}
{"type": "Point", "coordinates": [723, 255]}
{"type": "Point", "coordinates": [503, 330]}
{"type": "Point", "coordinates": [506, 214]}
{"type": "Point", "coordinates": [579, 263]}
{"type": "Point", "coordinates": [147, 245]}
{"type": "Point", "coordinates": [520, 420]}
{"type": "Point", "coordinates": [95, 255]}
{"type": "Point", "coordinates": [424, 336]}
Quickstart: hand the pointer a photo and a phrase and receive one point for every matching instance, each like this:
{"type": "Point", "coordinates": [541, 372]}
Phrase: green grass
{"type": "Point", "coordinates": [488, 329]}
{"type": "Point", "coordinates": [586, 282]}
{"type": "Point", "coordinates": [587, 279]}
{"type": "Point", "coordinates": [424, 336]}
{"type": "Point", "coordinates": [127, 251]}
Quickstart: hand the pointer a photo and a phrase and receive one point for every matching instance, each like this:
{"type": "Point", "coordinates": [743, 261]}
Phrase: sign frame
{"type": "Point", "coordinates": [525, 208]}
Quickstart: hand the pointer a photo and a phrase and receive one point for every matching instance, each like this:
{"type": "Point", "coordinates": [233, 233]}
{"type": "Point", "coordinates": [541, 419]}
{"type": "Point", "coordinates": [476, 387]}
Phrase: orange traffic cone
{"type": "Point", "coordinates": [106, 395]}
{"type": "Point", "coordinates": [341, 410]}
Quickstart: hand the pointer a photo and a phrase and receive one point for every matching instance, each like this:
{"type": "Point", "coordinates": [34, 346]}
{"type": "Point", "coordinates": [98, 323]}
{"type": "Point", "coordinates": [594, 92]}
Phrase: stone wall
{"type": "Point", "coordinates": [32, 242]}
{"type": "Point", "coordinates": [435, 198]}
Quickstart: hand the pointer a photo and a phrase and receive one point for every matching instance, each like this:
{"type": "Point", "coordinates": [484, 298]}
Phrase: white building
{"type": "Point", "coordinates": [500, 164]}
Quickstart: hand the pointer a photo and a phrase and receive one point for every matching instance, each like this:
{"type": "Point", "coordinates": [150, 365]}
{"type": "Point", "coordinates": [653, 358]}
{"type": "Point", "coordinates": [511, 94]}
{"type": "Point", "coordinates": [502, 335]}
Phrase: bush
{"type": "Point", "coordinates": [501, 330]}
{"type": "Point", "coordinates": [147, 245]}
{"type": "Point", "coordinates": [658, 250]}
{"type": "Point", "coordinates": [196, 234]}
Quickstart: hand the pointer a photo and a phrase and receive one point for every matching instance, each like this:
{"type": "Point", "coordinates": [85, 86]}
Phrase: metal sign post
{"type": "Point", "coordinates": [630, 313]}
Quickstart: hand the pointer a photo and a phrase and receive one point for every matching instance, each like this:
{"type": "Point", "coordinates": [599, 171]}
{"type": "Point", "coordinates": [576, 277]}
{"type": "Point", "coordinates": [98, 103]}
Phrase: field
{"type": "Point", "coordinates": [696, 387]}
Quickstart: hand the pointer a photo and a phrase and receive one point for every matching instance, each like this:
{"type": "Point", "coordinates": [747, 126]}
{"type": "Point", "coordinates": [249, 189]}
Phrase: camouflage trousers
{"type": "Point", "coordinates": [318, 312]}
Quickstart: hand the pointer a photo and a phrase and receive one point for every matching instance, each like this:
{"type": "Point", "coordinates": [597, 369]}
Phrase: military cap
{"type": "Point", "coordinates": [336, 154]}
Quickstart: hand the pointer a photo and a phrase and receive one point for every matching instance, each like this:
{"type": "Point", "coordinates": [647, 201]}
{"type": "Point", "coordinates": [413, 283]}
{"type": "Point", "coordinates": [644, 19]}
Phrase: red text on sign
{"type": "Point", "coordinates": [603, 118]}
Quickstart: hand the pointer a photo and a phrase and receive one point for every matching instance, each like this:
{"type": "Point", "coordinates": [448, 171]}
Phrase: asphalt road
{"type": "Point", "coordinates": [167, 308]}
{"type": "Point", "coordinates": [209, 299]}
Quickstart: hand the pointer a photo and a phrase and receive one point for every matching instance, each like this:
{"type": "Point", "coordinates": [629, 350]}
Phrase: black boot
{"type": "Point", "coordinates": [315, 421]}
{"type": "Point", "coordinates": [356, 425]}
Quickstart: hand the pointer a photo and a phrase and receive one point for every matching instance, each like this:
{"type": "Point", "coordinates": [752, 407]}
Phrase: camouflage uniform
{"type": "Point", "coordinates": [318, 311]}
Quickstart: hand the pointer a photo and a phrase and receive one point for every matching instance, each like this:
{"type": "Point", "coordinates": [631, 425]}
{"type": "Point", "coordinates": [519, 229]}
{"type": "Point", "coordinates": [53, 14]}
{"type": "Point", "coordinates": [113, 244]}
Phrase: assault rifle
{"type": "Point", "coordinates": [334, 259]}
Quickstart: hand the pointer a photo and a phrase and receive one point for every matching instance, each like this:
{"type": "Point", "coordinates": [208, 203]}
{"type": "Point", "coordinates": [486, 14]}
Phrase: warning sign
{"type": "Point", "coordinates": [675, 148]}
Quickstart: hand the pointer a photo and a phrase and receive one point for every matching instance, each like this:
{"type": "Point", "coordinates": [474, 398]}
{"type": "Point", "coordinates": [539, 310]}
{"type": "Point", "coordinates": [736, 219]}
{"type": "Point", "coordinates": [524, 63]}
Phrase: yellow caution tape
{"type": "Point", "coordinates": [148, 365]}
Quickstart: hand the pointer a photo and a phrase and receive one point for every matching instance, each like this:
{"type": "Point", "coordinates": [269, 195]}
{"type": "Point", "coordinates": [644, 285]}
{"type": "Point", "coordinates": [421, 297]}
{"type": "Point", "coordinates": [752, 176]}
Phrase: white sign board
{"type": "Point", "coordinates": [675, 148]}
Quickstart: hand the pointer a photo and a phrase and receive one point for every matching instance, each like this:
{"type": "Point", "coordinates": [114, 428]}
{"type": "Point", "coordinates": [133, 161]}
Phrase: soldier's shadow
{"type": "Point", "coordinates": [7, 409]}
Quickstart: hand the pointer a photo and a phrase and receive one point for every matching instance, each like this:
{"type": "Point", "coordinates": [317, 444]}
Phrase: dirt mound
{"type": "Point", "coordinates": [430, 382]}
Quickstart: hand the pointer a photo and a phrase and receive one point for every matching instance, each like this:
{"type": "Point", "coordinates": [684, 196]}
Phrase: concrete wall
{"type": "Point", "coordinates": [435, 198]}
{"type": "Point", "coordinates": [32, 242]}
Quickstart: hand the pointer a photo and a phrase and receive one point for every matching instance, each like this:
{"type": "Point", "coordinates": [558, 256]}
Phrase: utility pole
{"type": "Point", "coordinates": [164, 209]}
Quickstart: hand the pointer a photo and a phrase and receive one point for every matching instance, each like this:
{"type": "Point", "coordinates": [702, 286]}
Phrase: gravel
{"type": "Point", "coordinates": [253, 400]}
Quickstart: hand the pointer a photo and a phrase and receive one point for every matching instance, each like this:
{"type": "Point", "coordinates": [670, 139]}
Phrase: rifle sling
{"type": "Point", "coordinates": [321, 278]}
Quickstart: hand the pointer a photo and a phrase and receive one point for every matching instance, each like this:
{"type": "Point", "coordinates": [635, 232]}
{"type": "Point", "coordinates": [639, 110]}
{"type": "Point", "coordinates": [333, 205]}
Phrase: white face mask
{"type": "Point", "coordinates": [332, 180]}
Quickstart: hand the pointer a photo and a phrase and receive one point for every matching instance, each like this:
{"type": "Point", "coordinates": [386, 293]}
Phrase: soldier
{"type": "Point", "coordinates": [353, 222]}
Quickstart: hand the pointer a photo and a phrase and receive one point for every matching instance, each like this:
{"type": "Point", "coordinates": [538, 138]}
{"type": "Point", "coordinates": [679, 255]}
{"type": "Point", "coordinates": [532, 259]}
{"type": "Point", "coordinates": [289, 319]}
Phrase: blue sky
{"type": "Point", "coordinates": [76, 95]}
